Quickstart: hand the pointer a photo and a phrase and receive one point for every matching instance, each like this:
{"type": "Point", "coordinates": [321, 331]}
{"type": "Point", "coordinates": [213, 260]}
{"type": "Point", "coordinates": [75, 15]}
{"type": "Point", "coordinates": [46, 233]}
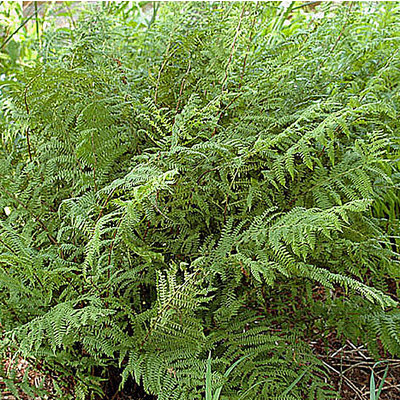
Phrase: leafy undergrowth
{"type": "Point", "coordinates": [216, 189]}
{"type": "Point", "coordinates": [348, 368]}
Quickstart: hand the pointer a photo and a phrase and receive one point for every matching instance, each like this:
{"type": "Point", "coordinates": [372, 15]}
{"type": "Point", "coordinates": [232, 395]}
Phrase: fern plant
{"type": "Point", "coordinates": [182, 186]}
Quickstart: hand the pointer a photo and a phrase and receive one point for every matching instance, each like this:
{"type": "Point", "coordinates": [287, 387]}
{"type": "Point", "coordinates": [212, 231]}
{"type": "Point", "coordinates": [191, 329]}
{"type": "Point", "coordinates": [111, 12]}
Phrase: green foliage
{"type": "Point", "coordinates": [17, 38]}
{"type": "Point", "coordinates": [185, 184]}
{"type": "Point", "coordinates": [375, 393]}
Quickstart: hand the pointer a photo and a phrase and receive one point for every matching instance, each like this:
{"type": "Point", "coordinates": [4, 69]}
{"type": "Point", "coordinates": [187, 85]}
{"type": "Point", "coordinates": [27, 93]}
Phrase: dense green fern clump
{"type": "Point", "coordinates": [214, 187]}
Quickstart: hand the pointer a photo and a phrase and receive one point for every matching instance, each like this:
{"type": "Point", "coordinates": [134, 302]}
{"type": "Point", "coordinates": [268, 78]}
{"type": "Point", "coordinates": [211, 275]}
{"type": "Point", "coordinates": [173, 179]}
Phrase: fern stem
{"type": "Point", "coordinates": [226, 207]}
{"type": "Point", "coordinates": [342, 30]}
{"type": "Point", "coordinates": [167, 56]}
{"type": "Point", "coordinates": [105, 205]}
{"type": "Point", "coordinates": [248, 45]}
{"type": "Point", "coordinates": [233, 48]}
{"type": "Point", "coordinates": [8, 247]}
{"type": "Point", "coordinates": [95, 162]}
{"type": "Point", "coordinates": [41, 223]}
{"type": "Point", "coordinates": [28, 142]}
{"type": "Point", "coordinates": [166, 306]}
{"type": "Point", "coordinates": [182, 87]}
{"type": "Point", "coordinates": [204, 173]}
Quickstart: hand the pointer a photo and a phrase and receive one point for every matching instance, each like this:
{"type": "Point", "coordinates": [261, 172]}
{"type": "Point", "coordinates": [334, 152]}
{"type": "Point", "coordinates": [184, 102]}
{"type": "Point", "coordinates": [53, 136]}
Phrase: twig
{"type": "Point", "coordinates": [112, 245]}
{"type": "Point", "coordinates": [348, 381]}
{"type": "Point", "coordinates": [380, 72]}
{"type": "Point", "coordinates": [146, 231]}
{"type": "Point", "coordinates": [8, 247]}
{"type": "Point", "coordinates": [155, 205]}
{"type": "Point", "coordinates": [321, 64]}
{"type": "Point", "coordinates": [357, 349]}
{"type": "Point", "coordinates": [306, 4]}
{"type": "Point", "coordinates": [337, 351]}
{"type": "Point", "coordinates": [37, 22]}
{"type": "Point", "coordinates": [385, 388]}
{"type": "Point", "coordinates": [341, 372]}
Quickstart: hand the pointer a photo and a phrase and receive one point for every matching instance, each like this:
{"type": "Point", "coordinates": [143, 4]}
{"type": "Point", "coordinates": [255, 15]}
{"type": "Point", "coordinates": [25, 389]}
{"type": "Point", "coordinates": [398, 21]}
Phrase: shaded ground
{"type": "Point", "coordinates": [37, 377]}
{"type": "Point", "coordinates": [132, 390]}
{"type": "Point", "coordinates": [350, 366]}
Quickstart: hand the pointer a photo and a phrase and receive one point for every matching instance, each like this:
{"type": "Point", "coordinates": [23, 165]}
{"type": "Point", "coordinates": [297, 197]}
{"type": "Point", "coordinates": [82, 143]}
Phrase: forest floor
{"type": "Point", "coordinates": [348, 366]}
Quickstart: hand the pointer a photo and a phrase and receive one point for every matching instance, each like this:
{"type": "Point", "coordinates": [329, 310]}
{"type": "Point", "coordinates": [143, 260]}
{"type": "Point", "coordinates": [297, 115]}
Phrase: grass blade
{"type": "Point", "coordinates": [208, 378]}
{"type": "Point", "coordinates": [295, 382]}
{"type": "Point", "coordinates": [226, 374]}
{"type": "Point", "coordinates": [20, 26]}
{"type": "Point", "coordinates": [382, 383]}
{"type": "Point", "coordinates": [372, 387]}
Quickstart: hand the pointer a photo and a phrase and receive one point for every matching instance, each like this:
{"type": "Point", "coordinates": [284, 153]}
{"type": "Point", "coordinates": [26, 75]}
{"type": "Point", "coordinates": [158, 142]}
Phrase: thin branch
{"type": "Point", "coordinates": [112, 245]}
{"type": "Point", "coordinates": [224, 82]}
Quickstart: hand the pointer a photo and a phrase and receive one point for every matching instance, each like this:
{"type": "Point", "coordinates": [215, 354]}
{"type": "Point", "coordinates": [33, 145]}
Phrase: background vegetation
{"type": "Point", "coordinates": [200, 199]}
